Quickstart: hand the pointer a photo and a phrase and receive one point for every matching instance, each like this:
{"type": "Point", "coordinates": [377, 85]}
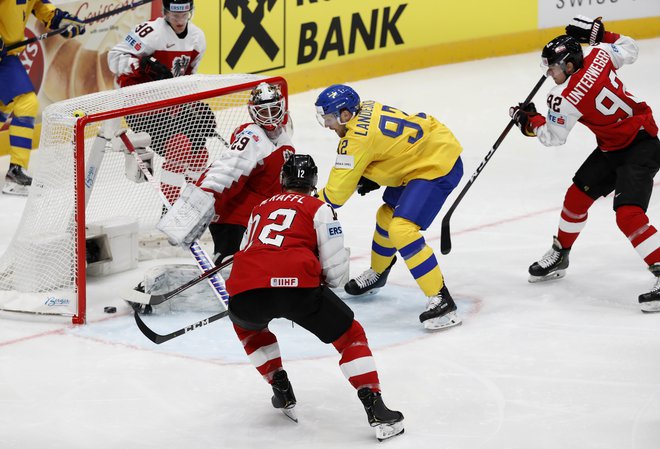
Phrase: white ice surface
{"type": "Point", "coordinates": [571, 364]}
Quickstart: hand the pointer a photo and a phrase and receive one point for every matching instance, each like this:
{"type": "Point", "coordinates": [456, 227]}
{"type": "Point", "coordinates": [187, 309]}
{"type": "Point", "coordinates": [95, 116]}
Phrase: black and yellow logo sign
{"type": "Point", "coordinates": [252, 36]}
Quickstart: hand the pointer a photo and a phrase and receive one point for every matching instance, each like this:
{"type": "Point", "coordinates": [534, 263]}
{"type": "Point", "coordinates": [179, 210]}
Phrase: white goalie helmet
{"type": "Point", "coordinates": [266, 106]}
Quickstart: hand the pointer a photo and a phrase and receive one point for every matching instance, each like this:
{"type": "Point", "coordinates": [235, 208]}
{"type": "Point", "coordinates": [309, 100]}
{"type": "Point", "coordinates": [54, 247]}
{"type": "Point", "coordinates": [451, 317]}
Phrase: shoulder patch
{"type": "Point", "coordinates": [345, 161]}
{"type": "Point", "coordinates": [134, 41]}
{"type": "Point", "coordinates": [557, 119]}
{"type": "Point", "coordinates": [334, 230]}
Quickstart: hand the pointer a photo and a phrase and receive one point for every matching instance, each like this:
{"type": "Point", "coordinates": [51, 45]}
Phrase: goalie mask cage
{"type": "Point", "coordinates": [43, 270]}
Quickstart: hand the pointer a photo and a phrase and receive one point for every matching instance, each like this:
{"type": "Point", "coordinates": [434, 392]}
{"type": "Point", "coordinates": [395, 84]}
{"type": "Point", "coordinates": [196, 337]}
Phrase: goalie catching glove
{"type": "Point", "coordinates": [586, 30]}
{"type": "Point", "coordinates": [189, 217]}
{"type": "Point", "coordinates": [526, 118]}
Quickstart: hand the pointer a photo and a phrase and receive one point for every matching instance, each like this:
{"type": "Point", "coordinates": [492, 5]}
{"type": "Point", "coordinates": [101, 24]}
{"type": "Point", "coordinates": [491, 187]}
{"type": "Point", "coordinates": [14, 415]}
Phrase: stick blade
{"type": "Point", "coordinates": [445, 236]}
{"type": "Point", "coordinates": [133, 295]}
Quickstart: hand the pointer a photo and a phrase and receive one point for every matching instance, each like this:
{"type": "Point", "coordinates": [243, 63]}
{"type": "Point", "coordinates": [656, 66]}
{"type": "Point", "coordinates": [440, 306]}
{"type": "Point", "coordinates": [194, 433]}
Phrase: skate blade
{"type": "Point", "coordinates": [290, 413]}
{"type": "Point", "coordinates": [650, 307]}
{"type": "Point", "coordinates": [373, 291]}
{"type": "Point", "coordinates": [387, 431]}
{"type": "Point", "coordinates": [442, 322]}
{"type": "Point", "coordinates": [555, 275]}
{"type": "Point", "coordinates": [11, 188]}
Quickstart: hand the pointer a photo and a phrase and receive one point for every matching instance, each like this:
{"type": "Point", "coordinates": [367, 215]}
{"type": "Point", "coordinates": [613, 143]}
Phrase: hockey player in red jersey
{"type": "Point", "coordinates": [627, 155]}
{"type": "Point", "coordinates": [301, 240]}
{"type": "Point", "coordinates": [167, 47]}
{"type": "Point", "coordinates": [248, 172]}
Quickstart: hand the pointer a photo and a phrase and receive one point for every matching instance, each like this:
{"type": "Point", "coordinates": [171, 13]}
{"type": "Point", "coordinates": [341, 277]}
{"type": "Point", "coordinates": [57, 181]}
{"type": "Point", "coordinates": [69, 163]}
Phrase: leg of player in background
{"type": "Point", "coordinates": [634, 187]}
{"type": "Point", "coordinates": [382, 257]}
{"type": "Point", "coordinates": [413, 208]}
{"type": "Point", "coordinates": [21, 133]}
{"type": "Point", "coordinates": [572, 220]}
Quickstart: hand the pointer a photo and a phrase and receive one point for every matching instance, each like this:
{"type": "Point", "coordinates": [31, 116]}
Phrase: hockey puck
{"type": "Point", "coordinates": [110, 309]}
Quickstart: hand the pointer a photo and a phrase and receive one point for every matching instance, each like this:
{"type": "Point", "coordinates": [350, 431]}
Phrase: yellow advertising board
{"type": "Point", "coordinates": [314, 42]}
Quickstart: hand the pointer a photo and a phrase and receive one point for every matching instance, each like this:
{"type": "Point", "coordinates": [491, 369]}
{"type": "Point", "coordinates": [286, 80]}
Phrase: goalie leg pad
{"type": "Point", "coordinates": [189, 217]}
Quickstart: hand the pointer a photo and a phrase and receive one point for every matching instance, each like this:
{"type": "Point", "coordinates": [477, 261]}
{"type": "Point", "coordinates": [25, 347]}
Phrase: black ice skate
{"type": "Point", "coordinates": [552, 265]}
{"type": "Point", "coordinates": [16, 181]}
{"type": "Point", "coordinates": [388, 423]}
{"type": "Point", "coordinates": [283, 397]}
{"type": "Point", "coordinates": [440, 311]}
{"type": "Point", "coordinates": [369, 281]}
{"type": "Point", "coordinates": [650, 302]}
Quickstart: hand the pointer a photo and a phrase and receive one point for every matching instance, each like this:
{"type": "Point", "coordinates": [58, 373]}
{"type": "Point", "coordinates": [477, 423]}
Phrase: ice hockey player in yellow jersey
{"type": "Point", "coordinates": [417, 159]}
{"type": "Point", "coordinates": [17, 95]}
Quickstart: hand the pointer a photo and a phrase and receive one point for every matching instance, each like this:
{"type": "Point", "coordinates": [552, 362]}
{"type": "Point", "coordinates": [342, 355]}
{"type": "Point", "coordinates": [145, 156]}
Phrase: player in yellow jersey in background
{"type": "Point", "coordinates": [17, 95]}
{"type": "Point", "coordinates": [417, 158]}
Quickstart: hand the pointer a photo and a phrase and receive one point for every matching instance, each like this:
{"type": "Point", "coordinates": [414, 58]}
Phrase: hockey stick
{"type": "Point", "coordinates": [162, 338]}
{"type": "Point", "coordinates": [153, 300]}
{"type": "Point", "coordinates": [90, 20]}
{"type": "Point", "coordinates": [202, 259]}
{"type": "Point", "coordinates": [445, 237]}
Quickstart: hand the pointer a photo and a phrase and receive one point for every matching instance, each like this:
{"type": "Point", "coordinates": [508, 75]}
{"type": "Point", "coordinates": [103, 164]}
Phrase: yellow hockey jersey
{"type": "Point", "coordinates": [14, 16]}
{"type": "Point", "coordinates": [389, 147]}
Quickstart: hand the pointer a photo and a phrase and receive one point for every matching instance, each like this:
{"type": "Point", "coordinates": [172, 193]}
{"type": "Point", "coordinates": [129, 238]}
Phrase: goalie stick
{"type": "Point", "coordinates": [135, 296]}
{"type": "Point", "coordinates": [202, 259]}
{"type": "Point", "coordinates": [445, 236]}
{"type": "Point", "coordinates": [90, 20]}
{"type": "Point", "coordinates": [162, 338]}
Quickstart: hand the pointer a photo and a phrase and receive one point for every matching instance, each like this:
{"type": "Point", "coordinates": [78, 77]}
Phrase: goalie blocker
{"type": "Point", "coordinates": [189, 217]}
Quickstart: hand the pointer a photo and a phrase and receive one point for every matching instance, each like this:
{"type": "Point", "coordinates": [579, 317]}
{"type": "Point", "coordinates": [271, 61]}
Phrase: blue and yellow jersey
{"type": "Point", "coordinates": [14, 15]}
{"type": "Point", "coordinates": [389, 147]}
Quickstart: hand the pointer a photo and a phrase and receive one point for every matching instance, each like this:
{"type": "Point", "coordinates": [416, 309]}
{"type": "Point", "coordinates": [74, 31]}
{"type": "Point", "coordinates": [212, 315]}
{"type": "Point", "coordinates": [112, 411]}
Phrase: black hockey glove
{"type": "Point", "coordinates": [3, 50]}
{"type": "Point", "coordinates": [522, 115]}
{"type": "Point", "coordinates": [366, 185]}
{"type": "Point", "coordinates": [586, 30]}
{"type": "Point", "coordinates": [154, 69]}
{"type": "Point", "coordinates": [63, 19]}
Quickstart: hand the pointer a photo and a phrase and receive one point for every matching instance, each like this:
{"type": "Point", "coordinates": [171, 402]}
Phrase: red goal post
{"type": "Point", "coordinates": [83, 200]}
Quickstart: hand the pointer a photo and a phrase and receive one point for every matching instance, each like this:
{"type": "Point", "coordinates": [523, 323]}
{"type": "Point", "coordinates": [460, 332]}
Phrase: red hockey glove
{"type": "Point", "coordinates": [524, 116]}
{"type": "Point", "coordinates": [63, 19]}
{"type": "Point", "coordinates": [586, 30]}
{"type": "Point", "coordinates": [153, 69]}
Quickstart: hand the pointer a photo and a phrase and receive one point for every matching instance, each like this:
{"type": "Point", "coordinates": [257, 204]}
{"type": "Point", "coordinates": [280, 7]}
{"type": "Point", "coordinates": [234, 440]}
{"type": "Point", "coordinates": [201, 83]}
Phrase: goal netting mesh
{"type": "Point", "coordinates": [188, 119]}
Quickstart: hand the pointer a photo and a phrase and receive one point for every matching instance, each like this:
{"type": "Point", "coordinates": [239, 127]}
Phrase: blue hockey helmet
{"type": "Point", "coordinates": [336, 98]}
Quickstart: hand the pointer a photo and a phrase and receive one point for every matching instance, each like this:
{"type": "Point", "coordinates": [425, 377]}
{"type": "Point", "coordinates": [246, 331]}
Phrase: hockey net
{"type": "Point", "coordinates": [189, 121]}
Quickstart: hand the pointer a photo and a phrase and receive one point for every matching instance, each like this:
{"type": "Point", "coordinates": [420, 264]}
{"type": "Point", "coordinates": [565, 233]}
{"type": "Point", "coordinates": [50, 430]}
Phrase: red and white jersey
{"type": "Point", "coordinates": [292, 240]}
{"type": "Point", "coordinates": [246, 173]}
{"type": "Point", "coordinates": [596, 97]}
{"type": "Point", "coordinates": [179, 53]}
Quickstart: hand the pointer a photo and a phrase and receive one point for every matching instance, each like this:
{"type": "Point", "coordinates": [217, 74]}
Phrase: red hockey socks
{"type": "Point", "coordinates": [634, 223]}
{"type": "Point", "coordinates": [573, 216]}
{"type": "Point", "coordinates": [356, 361]}
{"type": "Point", "coordinates": [262, 349]}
